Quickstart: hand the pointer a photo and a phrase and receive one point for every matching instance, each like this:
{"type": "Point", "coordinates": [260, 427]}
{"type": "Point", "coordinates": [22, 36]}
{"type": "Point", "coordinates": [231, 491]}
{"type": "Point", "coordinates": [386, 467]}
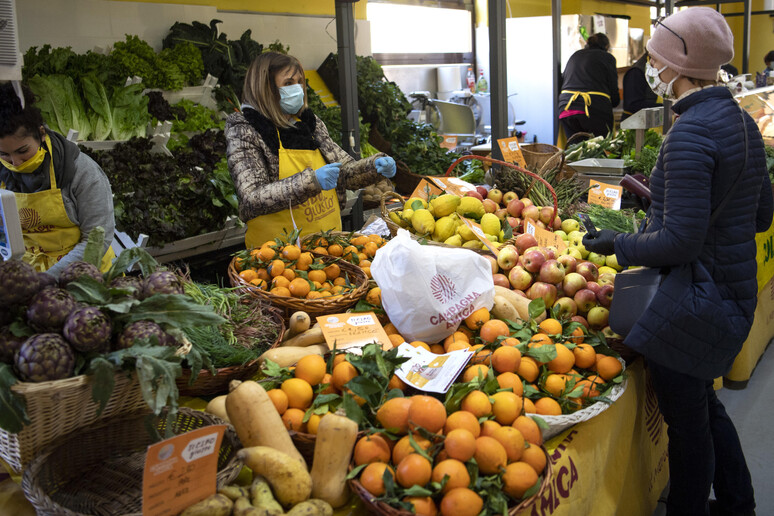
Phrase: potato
{"type": "Point", "coordinates": [504, 310]}
{"type": "Point", "coordinates": [233, 492]}
{"type": "Point", "coordinates": [260, 494]}
{"type": "Point", "coordinates": [215, 505]}
{"type": "Point", "coordinates": [323, 507]}
{"type": "Point", "coordinates": [288, 478]}
{"type": "Point", "coordinates": [243, 507]}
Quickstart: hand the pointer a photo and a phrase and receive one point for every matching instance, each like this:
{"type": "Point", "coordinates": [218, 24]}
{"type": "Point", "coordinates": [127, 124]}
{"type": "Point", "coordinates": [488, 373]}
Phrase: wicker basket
{"type": "Point", "coordinates": [375, 506]}
{"type": "Point", "coordinates": [405, 180]}
{"type": "Point", "coordinates": [536, 155]}
{"type": "Point", "coordinates": [314, 307]}
{"type": "Point", "coordinates": [98, 471]}
{"type": "Point", "coordinates": [58, 407]}
{"type": "Point", "coordinates": [208, 384]}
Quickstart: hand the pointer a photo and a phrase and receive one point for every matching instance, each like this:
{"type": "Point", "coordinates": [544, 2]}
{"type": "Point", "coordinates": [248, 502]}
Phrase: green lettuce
{"type": "Point", "coordinates": [61, 104]}
{"type": "Point", "coordinates": [130, 112]}
{"type": "Point", "coordinates": [101, 115]}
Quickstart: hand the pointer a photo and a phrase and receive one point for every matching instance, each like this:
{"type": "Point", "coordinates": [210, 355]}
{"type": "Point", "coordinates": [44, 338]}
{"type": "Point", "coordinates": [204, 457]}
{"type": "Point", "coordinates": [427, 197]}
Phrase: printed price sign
{"type": "Point", "coordinates": [425, 189]}
{"type": "Point", "coordinates": [438, 185]}
{"type": "Point", "coordinates": [448, 142]}
{"type": "Point", "coordinates": [181, 471]}
{"type": "Point", "coordinates": [511, 150]}
{"type": "Point", "coordinates": [353, 330]}
{"type": "Point", "coordinates": [476, 228]}
{"type": "Point", "coordinates": [544, 237]}
{"type": "Point", "coordinates": [605, 195]}
{"type": "Point", "coordinates": [429, 372]}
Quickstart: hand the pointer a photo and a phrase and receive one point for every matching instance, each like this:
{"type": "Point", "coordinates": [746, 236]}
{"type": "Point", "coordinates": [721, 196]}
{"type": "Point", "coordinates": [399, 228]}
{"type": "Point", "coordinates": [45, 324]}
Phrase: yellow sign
{"type": "Point", "coordinates": [354, 329]}
{"type": "Point", "coordinates": [511, 150]}
{"type": "Point", "coordinates": [448, 142]}
{"type": "Point", "coordinates": [765, 256]}
{"type": "Point", "coordinates": [605, 195]}
{"type": "Point", "coordinates": [544, 237]}
{"type": "Point", "coordinates": [181, 471]}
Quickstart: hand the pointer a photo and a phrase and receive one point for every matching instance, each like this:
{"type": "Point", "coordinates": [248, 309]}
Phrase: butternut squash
{"type": "Point", "coordinates": [288, 478]}
{"type": "Point", "coordinates": [217, 407]}
{"type": "Point", "coordinates": [521, 304]}
{"type": "Point", "coordinates": [307, 338]}
{"type": "Point", "coordinates": [287, 356]}
{"type": "Point", "coordinates": [299, 322]}
{"type": "Point", "coordinates": [336, 436]}
{"type": "Point", "coordinates": [256, 420]}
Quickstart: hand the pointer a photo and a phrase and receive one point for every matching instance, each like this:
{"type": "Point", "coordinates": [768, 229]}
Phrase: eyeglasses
{"type": "Point", "coordinates": [659, 21]}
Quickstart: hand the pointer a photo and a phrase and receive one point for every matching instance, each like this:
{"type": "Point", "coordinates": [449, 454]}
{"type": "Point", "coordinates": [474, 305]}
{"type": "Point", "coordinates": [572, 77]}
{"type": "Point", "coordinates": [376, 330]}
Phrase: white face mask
{"type": "Point", "coordinates": [659, 87]}
{"type": "Point", "coordinates": [291, 98]}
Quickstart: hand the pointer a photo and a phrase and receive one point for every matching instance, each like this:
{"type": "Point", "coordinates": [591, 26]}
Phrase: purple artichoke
{"type": "Point", "coordinates": [162, 282]}
{"type": "Point", "coordinates": [49, 309]}
{"type": "Point", "coordinates": [18, 282]}
{"type": "Point", "coordinates": [88, 329]}
{"type": "Point", "coordinates": [9, 344]}
{"type": "Point", "coordinates": [128, 282]}
{"type": "Point", "coordinates": [139, 330]}
{"type": "Point", "coordinates": [44, 357]}
{"type": "Point", "coordinates": [75, 270]}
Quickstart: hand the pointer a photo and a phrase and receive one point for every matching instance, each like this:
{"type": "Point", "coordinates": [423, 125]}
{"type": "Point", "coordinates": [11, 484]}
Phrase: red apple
{"type": "Point", "coordinates": [557, 225]}
{"type": "Point", "coordinates": [520, 278]}
{"type": "Point", "coordinates": [474, 194]}
{"type": "Point", "coordinates": [521, 293]}
{"type": "Point", "coordinates": [588, 270]}
{"type": "Point", "coordinates": [501, 213]}
{"type": "Point", "coordinates": [513, 222]}
{"type": "Point", "coordinates": [496, 195]}
{"type": "Point", "coordinates": [551, 272]}
{"type": "Point", "coordinates": [567, 306]}
{"type": "Point", "coordinates": [527, 201]}
{"type": "Point", "coordinates": [598, 317]}
{"type": "Point", "coordinates": [546, 215]}
{"type": "Point", "coordinates": [490, 206]}
{"type": "Point", "coordinates": [580, 319]}
{"type": "Point", "coordinates": [585, 299]}
{"type": "Point", "coordinates": [507, 257]}
{"type": "Point", "coordinates": [493, 263]}
{"type": "Point", "coordinates": [541, 224]}
{"type": "Point", "coordinates": [530, 212]}
{"type": "Point", "coordinates": [483, 191]}
{"type": "Point", "coordinates": [501, 280]}
{"type": "Point", "coordinates": [551, 252]}
{"type": "Point", "coordinates": [593, 286]}
{"type": "Point", "coordinates": [533, 260]}
{"type": "Point", "coordinates": [515, 207]}
{"type": "Point", "coordinates": [572, 283]}
{"type": "Point", "coordinates": [605, 295]}
{"type": "Point", "coordinates": [543, 290]}
{"type": "Point", "coordinates": [524, 241]}
{"type": "Point", "coordinates": [509, 196]}
{"type": "Point", "coordinates": [568, 261]}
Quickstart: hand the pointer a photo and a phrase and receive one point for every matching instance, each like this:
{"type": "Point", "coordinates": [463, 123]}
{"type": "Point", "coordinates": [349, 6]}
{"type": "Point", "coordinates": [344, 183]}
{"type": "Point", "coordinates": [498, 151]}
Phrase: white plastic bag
{"type": "Point", "coordinates": [428, 290]}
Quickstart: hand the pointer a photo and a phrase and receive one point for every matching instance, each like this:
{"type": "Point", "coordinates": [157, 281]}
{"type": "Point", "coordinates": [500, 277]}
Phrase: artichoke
{"type": "Point", "coordinates": [88, 329]}
{"type": "Point", "coordinates": [18, 282]}
{"type": "Point", "coordinates": [75, 270]}
{"type": "Point", "coordinates": [140, 330]}
{"type": "Point", "coordinates": [162, 282]}
{"type": "Point", "coordinates": [49, 309]}
{"type": "Point", "coordinates": [128, 282]}
{"type": "Point", "coordinates": [9, 344]}
{"type": "Point", "coordinates": [44, 357]}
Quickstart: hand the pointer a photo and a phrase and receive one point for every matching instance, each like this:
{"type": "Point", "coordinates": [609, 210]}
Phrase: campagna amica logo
{"type": "Point", "coordinates": [443, 288]}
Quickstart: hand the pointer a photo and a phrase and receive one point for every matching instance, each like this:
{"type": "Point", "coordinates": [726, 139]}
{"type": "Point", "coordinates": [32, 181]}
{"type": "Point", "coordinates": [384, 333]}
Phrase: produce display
{"type": "Point", "coordinates": [356, 249]}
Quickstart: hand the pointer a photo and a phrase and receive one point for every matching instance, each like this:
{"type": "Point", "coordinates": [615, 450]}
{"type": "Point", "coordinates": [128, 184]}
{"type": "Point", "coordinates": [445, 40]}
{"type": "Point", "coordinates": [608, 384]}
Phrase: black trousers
{"type": "Point", "coordinates": [596, 125]}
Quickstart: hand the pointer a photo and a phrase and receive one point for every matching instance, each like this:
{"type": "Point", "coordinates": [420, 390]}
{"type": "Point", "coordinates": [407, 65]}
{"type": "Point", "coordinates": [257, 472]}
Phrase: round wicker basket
{"type": "Point", "coordinates": [313, 307]}
{"type": "Point", "coordinates": [98, 470]}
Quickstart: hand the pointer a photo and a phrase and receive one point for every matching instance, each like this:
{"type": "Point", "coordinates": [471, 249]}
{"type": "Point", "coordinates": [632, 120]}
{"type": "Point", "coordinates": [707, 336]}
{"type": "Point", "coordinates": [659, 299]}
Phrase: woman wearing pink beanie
{"type": "Point", "coordinates": [710, 195]}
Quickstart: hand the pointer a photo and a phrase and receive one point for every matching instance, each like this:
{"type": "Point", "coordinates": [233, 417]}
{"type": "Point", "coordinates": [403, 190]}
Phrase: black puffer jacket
{"type": "Point", "coordinates": [591, 69]}
{"type": "Point", "coordinates": [699, 161]}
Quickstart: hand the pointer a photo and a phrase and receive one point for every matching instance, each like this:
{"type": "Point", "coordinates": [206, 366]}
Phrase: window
{"type": "Point", "coordinates": [408, 29]}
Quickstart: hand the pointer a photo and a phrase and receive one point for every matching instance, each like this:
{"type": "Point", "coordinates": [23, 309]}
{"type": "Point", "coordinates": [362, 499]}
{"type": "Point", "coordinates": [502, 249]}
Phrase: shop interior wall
{"type": "Point", "coordinates": [761, 34]}
{"type": "Point", "coordinates": [86, 24]}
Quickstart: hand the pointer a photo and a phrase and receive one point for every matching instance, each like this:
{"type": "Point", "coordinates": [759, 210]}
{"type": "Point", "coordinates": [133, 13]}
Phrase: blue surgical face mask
{"type": "Point", "coordinates": [291, 98]}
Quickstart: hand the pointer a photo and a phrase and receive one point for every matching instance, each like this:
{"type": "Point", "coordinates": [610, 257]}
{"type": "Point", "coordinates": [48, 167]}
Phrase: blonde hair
{"type": "Point", "coordinates": [260, 88]}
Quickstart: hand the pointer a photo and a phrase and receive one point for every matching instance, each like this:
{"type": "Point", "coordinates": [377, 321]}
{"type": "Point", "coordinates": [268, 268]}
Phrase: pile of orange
{"type": "Point", "coordinates": [286, 270]}
{"type": "Point", "coordinates": [358, 250]}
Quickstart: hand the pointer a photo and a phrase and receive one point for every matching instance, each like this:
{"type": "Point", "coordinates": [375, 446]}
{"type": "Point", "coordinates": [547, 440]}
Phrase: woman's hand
{"type": "Point", "coordinates": [603, 243]}
{"type": "Point", "coordinates": [328, 175]}
{"type": "Point", "coordinates": [385, 166]}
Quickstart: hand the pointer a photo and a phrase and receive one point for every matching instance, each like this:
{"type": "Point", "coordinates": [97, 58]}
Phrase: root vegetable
{"type": "Point", "coordinates": [521, 304]}
{"type": "Point", "coordinates": [323, 507]}
{"type": "Point", "coordinates": [289, 479]}
{"type": "Point", "coordinates": [306, 338]}
{"type": "Point", "coordinates": [336, 436]}
{"type": "Point", "coordinates": [243, 507]}
{"type": "Point", "coordinates": [217, 407]}
{"type": "Point", "coordinates": [215, 505]}
{"type": "Point", "coordinates": [233, 492]}
{"type": "Point", "coordinates": [504, 310]}
{"type": "Point", "coordinates": [260, 494]}
{"type": "Point", "coordinates": [287, 356]}
{"type": "Point", "coordinates": [299, 323]}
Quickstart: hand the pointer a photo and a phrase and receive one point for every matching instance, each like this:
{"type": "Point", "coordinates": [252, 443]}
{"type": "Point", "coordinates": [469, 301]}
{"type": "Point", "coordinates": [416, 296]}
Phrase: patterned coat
{"type": "Point", "coordinates": [253, 161]}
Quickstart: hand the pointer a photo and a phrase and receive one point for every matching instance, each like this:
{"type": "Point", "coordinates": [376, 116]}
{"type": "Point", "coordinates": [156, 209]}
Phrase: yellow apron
{"type": "Point", "coordinates": [318, 213]}
{"type": "Point", "coordinates": [48, 232]}
{"type": "Point", "coordinates": [585, 95]}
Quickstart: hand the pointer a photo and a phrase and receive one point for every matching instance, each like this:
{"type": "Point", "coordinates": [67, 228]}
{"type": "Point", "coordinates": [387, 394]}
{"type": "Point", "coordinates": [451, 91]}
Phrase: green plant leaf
{"type": "Point", "coordinates": [537, 307]}
{"type": "Point", "coordinates": [175, 310]}
{"type": "Point", "coordinates": [90, 291]}
{"type": "Point", "coordinates": [103, 374]}
{"type": "Point", "coordinates": [13, 408]}
{"type": "Point", "coordinates": [95, 246]}
{"type": "Point", "coordinates": [129, 258]}
{"type": "Point", "coordinates": [417, 490]}
{"type": "Point", "coordinates": [157, 382]}
{"type": "Point", "coordinates": [352, 409]}
{"type": "Point", "coordinates": [544, 353]}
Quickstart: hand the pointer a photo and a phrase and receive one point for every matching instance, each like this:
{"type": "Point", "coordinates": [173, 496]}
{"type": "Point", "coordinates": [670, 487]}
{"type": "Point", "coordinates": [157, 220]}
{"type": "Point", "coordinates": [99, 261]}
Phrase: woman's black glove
{"type": "Point", "coordinates": [602, 243]}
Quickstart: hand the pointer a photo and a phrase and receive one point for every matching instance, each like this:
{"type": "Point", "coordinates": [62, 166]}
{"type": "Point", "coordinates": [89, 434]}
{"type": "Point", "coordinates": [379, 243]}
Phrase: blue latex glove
{"type": "Point", "coordinates": [328, 175]}
{"type": "Point", "coordinates": [385, 166]}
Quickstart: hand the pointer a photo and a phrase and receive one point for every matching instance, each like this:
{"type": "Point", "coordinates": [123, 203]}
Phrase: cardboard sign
{"type": "Point", "coordinates": [448, 142]}
{"type": "Point", "coordinates": [476, 228]}
{"type": "Point", "coordinates": [433, 186]}
{"type": "Point", "coordinates": [605, 195]}
{"type": "Point", "coordinates": [429, 372]}
{"type": "Point", "coordinates": [544, 237]}
{"type": "Point", "coordinates": [511, 150]}
{"type": "Point", "coordinates": [425, 189]}
{"type": "Point", "coordinates": [353, 330]}
{"type": "Point", "coordinates": [181, 471]}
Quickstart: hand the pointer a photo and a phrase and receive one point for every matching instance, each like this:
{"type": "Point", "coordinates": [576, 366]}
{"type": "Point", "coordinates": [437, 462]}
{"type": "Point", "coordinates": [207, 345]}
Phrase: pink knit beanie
{"type": "Point", "coordinates": [708, 42]}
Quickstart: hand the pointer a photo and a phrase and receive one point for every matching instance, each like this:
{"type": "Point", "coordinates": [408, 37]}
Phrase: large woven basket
{"type": "Point", "coordinates": [375, 506]}
{"type": "Point", "coordinates": [207, 383]}
{"type": "Point", "coordinates": [314, 307]}
{"type": "Point", "coordinates": [99, 470]}
{"type": "Point", "coordinates": [58, 407]}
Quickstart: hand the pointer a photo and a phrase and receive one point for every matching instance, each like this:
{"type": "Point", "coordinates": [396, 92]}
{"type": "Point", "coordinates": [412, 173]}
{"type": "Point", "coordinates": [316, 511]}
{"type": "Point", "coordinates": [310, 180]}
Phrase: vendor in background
{"type": "Point", "coordinates": [712, 158]}
{"type": "Point", "coordinates": [61, 193]}
{"type": "Point", "coordinates": [768, 59]}
{"type": "Point", "coordinates": [287, 171]}
{"type": "Point", "coordinates": [589, 89]}
{"type": "Point", "coordinates": [636, 91]}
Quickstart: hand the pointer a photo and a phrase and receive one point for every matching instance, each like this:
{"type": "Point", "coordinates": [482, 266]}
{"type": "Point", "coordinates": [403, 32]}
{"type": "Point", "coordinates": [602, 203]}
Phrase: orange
{"type": "Point", "coordinates": [267, 253]}
{"type": "Point", "coordinates": [349, 252]}
{"type": "Point", "coordinates": [423, 505]}
{"type": "Point", "coordinates": [512, 441]}
{"type": "Point", "coordinates": [293, 419]}
{"type": "Point", "coordinates": [457, 345]}
{"type": "Point", "coordinates": [371, 448]}
{"type": "Point", "coordinates": [460, 444]}
{"type": "Point", "coordinates": [311, 368]}
{"type": "Point", "coordinates": [578, 334]}
{"type": "Point", "coordinates": [506, 407]}
{"type": "Point", "coordinates": [289, 274]}
{"type": "Point", "coordinates": [280, 281]}
{"type": "Point", "coordinates": [299, 392]}
{"type": "Point", "coordinates": [264, 275]}
{"type": "Point", "coordinates": [426, 412]}
{"type": "Point", "coordinates": [304, 261]}
{"type": "Point", "coordinates": [564, 361]}
{"type": "Point", "coordinates": [328, 386]}
{"type": "Point", "coordinates": [413, 470]}
{"type": "Point", "coordinates": [261, 284]}
{"type": "Point", "coordinates": [518, 478]}
{"type": "Point", "coordinates": [359, 240]}
{"type": "Point", "coordinates": [437, 349]}
{"type": "Point", "coordinates": [313, 294]}
{"type": "Point", "coordinates": [332, 271]}
{"type": "Point", "coordinates": [372, 477]}
{"type": "Point", "coordinates": [539, 339]}
{"type": "Point", "coordinates": [403, 447]}
{"type": "Point", "coordinates": [510, 341]}
{"type": "Point", "coordinates": [590, 389]}
{"type": "Point", "coordinates": [609, 367]}
{"type": "Point", "coordinates": [488, 427]}
{"type": "Point", "coordinates": [455, 337]}
{"type": "Point", "coordinates": [535, 457]}
{"type": "Point", "coordinates": [475, 371]}
{"type": "Point", "coordinates": [420, 344]}
{"type": "Point", "coordinates": [396, 383]}
{"type": "Point", "coordinates": [320, 250]}
{"type": "Point", "coordinates": [290, 252]}
{"type": "Point", "coordinates": [280, 291]}
{"type": "Point", "coordinates": [393, 415]}
{"type": "Point", "coordinates": [455, 470]}
{"type": "Point", "coordinates": [367, 271]}
{"type": "Point", "coordinates": [317, 275]}
{"type": "Point", "coordinates": [585, 356]}
{"type": "Point", "coordinates": [548, 407]}
{"type": "Point", "coordinates": [482, 356]}
{"type": "Point", "coordinates": [555, 384]}
{"type": "Point", "coordinates": [492, 329]}
{"type": "Point", "coordinates": [248, 275]}
{"type": "Point", "coordinates": [339, 358]}
{"type": "Point", "coordinates": [506, 359]}
{"type": "Point", "coordinates": [374, 296]}
{"type": "Point", "coordinates": [299, 287]}
{"type": "Point", "coordinates": [511, 381]}
{"type": "Point", "coordinates": [529, 429]}
{"type": "Point", "coordinates": [276, 268]}
{"type": "Point", "coordinates": [390, 329]}
{"type": "Point", "coordinates": [342, 373]}
{"type": "Point", "coordinates": [279, 399]}
{"type": "Point", "coordinates": [550, 326]}
{"type": "Point", "coordinates": [396, 339]}
{"type": "Point", "coordinates": [335, 250]}
{"type": "Point", "coordinates": [370, 249]}
{"type": "Point", "coordinates": [477, 319]}
{"type": "Point", "coordinates": [461, 501]}
{"type": "Point", "coordinates": [528, 369]}
{"type": "Point", "coordinates": [477, 403]}
{"type": "Point", "coordinates": [529, 407]}
{"type": "Point", "coordinates": [462, 419]}
{"type": "Point", "coordinates": [467, 331]}
{"type": "Point", "coordinates": [313, 423]}
{"type": "Point", "coordinates": [364, 263]}
{"type": "Point", "coordinates": [490, 455]}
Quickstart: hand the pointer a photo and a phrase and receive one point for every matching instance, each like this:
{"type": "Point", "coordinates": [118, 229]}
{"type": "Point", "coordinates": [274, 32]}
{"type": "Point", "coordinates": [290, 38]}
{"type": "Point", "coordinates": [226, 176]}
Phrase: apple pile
{"type": "Point", "coordinates": [509, 207]}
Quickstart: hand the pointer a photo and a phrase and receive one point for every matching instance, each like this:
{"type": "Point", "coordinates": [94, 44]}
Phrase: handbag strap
{"type": "Point", "coordinates": [726, 198]}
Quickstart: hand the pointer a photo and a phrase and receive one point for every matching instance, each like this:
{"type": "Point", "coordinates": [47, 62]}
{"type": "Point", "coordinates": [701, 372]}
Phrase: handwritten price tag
{"type": "Point", "coordinates": [425, 189]}
{"type": "Point", "coordinates": [353, 330]}
{"type": "Point", "coordinates": [544, 237]}
{"type": "Point", "coordinates": [605, 195]}
{"type": "Point", "coordinates": [511, 150]}
{"type": "Point", "coordinates": [476, 228]}
{"type": "Point", "coordinates": [181, 471]}
{"type": "Point", "coordinates": [448, 142]}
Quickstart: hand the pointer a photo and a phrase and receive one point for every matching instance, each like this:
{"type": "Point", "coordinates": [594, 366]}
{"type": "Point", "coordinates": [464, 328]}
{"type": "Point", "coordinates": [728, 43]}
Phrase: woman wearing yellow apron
{"type": "Point", "coordinates": [589, 90]}
{"type": "Point", "coordinates": [287, 171]}
{"type": "Point", "coordinates": [61, 194]}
